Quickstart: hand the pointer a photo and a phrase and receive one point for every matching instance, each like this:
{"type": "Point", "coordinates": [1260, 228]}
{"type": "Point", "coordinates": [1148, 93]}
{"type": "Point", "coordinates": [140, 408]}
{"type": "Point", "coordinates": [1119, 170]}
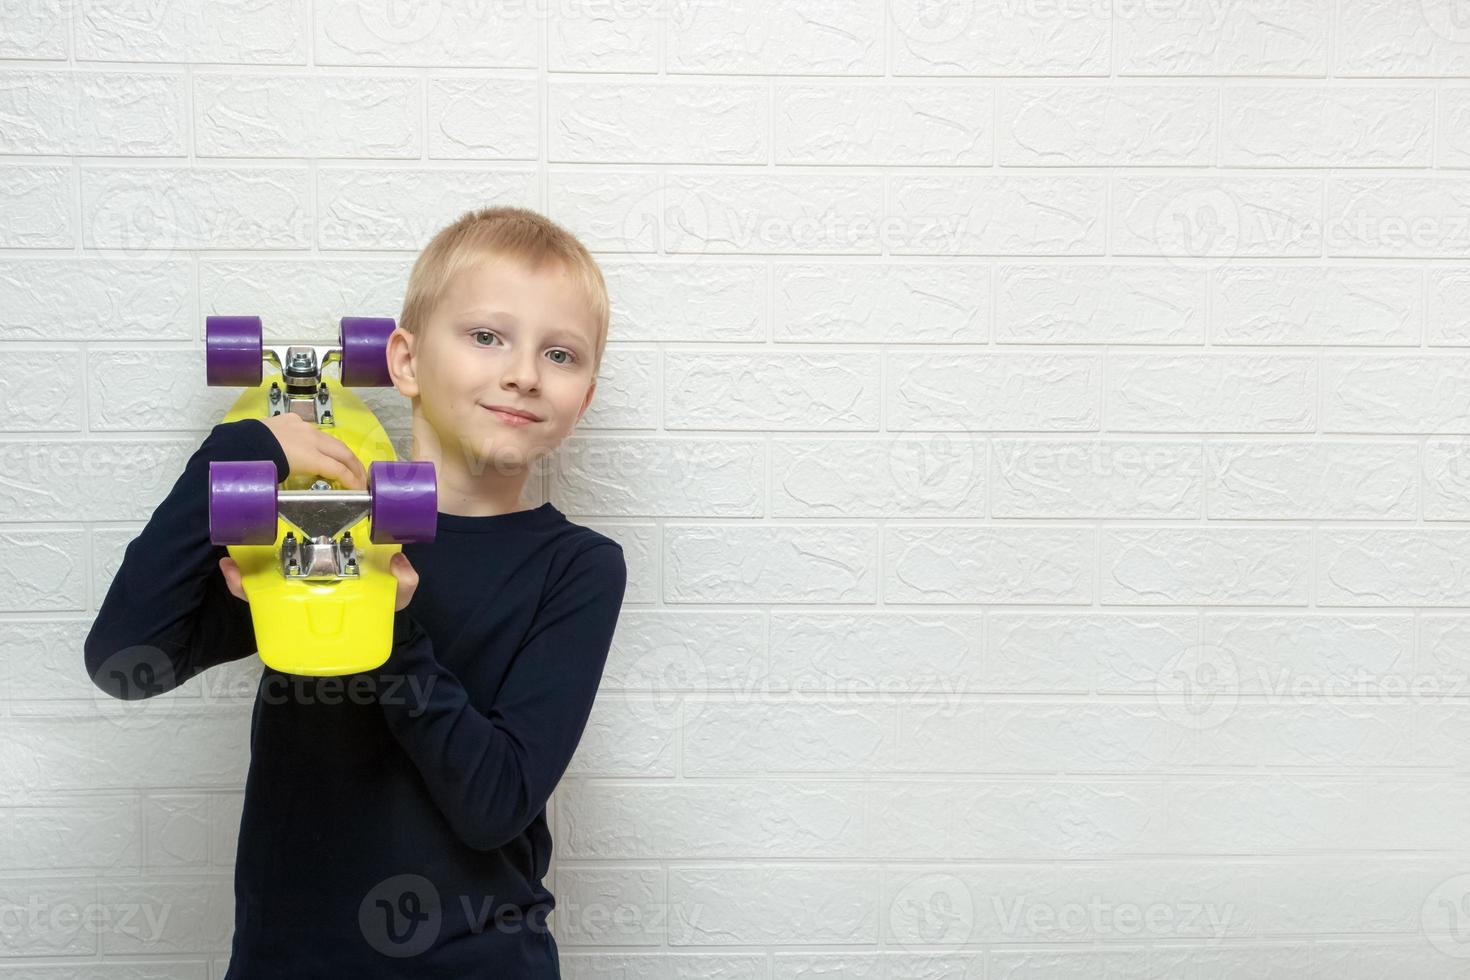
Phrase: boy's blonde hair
{"type": "Point", "coordinates": [503, 232]}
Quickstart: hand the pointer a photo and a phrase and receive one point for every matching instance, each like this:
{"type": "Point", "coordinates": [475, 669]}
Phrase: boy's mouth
{"type": "Point", "coordinates": [511, 416]}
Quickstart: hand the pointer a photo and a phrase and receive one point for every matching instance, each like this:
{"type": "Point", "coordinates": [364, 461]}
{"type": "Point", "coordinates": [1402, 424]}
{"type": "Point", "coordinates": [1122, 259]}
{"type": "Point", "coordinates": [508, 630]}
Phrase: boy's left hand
{"type": "Point", "coordinates": [408, 579]}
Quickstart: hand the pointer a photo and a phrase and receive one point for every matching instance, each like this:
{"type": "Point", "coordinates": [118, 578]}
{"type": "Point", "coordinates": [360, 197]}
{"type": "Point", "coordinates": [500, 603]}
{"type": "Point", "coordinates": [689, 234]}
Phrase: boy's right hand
{"type": "Point", "coordinates": [311, 452]}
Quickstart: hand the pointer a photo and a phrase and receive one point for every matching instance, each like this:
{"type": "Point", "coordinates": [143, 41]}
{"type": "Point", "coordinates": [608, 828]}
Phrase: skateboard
{"type": "Point", "coordinates": [313, 555]}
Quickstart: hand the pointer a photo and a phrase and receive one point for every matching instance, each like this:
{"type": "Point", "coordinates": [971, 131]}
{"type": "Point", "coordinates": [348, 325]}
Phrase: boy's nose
{"type": "Point", "coordinates": [521, 377]}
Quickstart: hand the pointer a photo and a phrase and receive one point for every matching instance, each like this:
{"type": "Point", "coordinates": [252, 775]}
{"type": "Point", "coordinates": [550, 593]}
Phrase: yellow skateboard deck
{"type": "Point", "coordinates": [321, 628]}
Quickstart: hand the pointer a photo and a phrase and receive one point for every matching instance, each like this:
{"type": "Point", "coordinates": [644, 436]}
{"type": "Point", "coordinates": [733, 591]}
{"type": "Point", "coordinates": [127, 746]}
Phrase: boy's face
{"type": "Point", "coordinates": [502, 335]}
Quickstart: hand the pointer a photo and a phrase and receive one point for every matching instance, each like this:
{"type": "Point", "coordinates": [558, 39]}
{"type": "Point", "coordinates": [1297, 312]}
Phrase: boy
{"type": "Point", "coordinates": [402, 833]}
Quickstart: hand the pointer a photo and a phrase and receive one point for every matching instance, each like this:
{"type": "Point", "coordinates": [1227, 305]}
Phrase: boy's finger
{"type": "Point", "coordinates": [231, 572]}
{"type": "Point", "coordinates": [347, 461]}
{"type": "Point", "coordinates": [344, 470]}
{"type": "Point", "coordinates": [335, 469]}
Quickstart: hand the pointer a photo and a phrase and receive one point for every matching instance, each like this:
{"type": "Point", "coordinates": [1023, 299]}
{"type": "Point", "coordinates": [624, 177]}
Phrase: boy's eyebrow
{"type": "Point", "coordinates": [512, 320]}
{"type": "Point", "coordinates": [499, 314]}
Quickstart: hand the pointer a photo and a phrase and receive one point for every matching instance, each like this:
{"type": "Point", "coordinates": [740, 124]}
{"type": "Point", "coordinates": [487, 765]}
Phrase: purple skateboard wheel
{"type": "Point", "coordinates": [242, 501]}
{"type": "Point", "coordinates": [405, 501]}
{"type": "Point", "coordinates": [232, 351]}
{"type": "Point", "coordinates": [364, 343]}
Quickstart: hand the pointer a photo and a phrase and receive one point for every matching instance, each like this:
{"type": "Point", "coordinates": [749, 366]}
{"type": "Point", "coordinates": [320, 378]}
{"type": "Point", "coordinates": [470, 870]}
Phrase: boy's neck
{"type": "Point", "coordinates": [469, 487]}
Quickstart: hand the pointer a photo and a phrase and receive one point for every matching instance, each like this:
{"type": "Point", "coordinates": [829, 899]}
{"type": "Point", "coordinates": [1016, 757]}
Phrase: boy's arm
{"type": "Point", "coordinates": [490, 774]}
{"type": "Point", "coordinates": [168, 614]}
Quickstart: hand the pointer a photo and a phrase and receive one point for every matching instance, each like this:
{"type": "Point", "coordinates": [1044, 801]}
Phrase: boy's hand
{"type": "Point", "coordinates": [408, 579]}
{"type": "Point", "coordinates": [312, 452]}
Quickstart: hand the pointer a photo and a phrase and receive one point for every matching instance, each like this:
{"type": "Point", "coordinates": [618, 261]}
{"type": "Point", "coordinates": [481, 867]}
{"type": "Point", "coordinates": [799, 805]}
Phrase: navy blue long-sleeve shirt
{"type": "Point", "coordinates": [394, 822]}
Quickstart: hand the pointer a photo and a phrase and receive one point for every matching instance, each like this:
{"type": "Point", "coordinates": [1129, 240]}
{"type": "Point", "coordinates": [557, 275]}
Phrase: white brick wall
{"type": "Point", "coordinates": [1037, 430]}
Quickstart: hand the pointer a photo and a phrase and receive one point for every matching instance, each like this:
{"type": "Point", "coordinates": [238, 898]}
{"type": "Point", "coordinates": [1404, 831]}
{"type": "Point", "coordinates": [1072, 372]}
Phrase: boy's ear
{"type": "Point", "coordinates": [400, 362]}
{"type": "Point", "coordinates": [586, 402]}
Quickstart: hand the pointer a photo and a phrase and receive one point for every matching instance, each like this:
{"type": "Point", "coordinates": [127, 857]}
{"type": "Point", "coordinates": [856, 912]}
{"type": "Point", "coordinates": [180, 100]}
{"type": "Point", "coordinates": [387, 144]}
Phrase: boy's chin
{"type": "Point", "coordinates": [506, 456]}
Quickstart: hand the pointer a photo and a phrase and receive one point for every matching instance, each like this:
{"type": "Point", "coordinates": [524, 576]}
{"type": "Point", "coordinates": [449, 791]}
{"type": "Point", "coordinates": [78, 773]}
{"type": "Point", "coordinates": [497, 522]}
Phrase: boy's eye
{"type": "Point", "coordinates": [558, 350]}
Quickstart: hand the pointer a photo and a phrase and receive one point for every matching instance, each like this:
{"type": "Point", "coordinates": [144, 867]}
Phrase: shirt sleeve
{"type": "Point", "coordinates": [491, 774]}
{"type": "Point", "coordinates": [168, 614]}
